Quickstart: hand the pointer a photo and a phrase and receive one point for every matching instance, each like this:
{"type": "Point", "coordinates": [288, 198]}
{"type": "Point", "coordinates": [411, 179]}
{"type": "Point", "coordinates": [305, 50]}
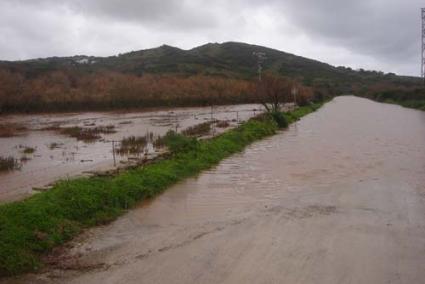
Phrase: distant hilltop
{"type": "Point", "coordinates": [230, 59]}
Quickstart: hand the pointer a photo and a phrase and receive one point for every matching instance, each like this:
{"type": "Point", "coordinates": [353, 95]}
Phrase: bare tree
{"type": "Point", "coordinates": [274, 91]}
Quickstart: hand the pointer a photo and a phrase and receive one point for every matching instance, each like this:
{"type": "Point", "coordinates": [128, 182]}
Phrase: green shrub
{"type": "Point", "coordinates": [280, 119]}
{"type": "Point", "coordinates": [177, 142]}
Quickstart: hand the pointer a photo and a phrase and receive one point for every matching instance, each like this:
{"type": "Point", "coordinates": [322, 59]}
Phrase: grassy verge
{"type": "Point", "coordinates": [32, 227]}
{"type": "Point", "coordinates": [411, 98]}
{"type": "Point", "coordinates": [416, 104]}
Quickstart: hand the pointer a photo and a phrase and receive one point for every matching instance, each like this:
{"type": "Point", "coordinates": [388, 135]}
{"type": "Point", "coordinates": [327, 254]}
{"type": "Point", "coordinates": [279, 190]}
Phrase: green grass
{"type": "Point", "coordinates": [416, 104]}
{"type": "Point", "coordinates": [410, 98]}
{"type": "Point", "coordinates": [300, 112]}
{"type": "Point", "coordinates": [32, 227]}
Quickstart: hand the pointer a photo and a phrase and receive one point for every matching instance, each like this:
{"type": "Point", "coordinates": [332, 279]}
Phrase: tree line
{"type": "Point", "coordinates": [63, 90]}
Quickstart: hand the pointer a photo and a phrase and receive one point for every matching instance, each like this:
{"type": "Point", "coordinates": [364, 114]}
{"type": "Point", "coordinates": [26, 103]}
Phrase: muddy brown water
{"type": "Point", "coordinates": [57, 156]}
{"type": "Point", "coordinates": [339, 197]}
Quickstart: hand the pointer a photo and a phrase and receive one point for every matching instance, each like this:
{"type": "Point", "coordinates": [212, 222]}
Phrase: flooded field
{"type": "Point", "coordinates": [40, 149]}
{"type": "Point", "coordinates": [337, 198]}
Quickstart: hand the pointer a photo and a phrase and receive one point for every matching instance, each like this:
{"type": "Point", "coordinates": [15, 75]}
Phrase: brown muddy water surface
{"type": "Point", "coordinates": [339, 197]}
{"type": "Point", "coordinates": [59, 156]}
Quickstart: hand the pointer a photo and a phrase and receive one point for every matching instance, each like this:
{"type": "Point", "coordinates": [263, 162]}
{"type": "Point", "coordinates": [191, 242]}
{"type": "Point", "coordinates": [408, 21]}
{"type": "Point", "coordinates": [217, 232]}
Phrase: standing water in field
{"type": "Point", "coordinates": [37, 150]}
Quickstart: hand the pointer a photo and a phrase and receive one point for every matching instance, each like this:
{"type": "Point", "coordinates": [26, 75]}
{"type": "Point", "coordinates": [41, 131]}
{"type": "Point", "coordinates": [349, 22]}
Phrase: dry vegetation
{"type": "Point", "coordinates": [222, 124]}
{"type": "Point", "coordinates": [10, 129]}
{"type": "Point", "coordinates": [198, 129]}
{"type": "Point", "coordinates": [66, 90]}
{"type": "Point", "coordinates": [408, 96]}
{"type": "Point", "coordinates": [274, 91]}
{"type": "Point", "coordinates": [160, 141]}
{"type": "Point", "coordinates": [55, 145]}
{"type": "Point", "coordinates": [132, 145]}
{"type": "Point", "coordinates": [87, 134]}
{"type": "Point", "coordinates": [168, 76]}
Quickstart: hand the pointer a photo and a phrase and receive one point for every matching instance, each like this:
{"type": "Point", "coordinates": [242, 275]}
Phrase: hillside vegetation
{"type": "Point", "coordinates": [408, 96]}
{"type": "Point", "coordinates": [208, 74]}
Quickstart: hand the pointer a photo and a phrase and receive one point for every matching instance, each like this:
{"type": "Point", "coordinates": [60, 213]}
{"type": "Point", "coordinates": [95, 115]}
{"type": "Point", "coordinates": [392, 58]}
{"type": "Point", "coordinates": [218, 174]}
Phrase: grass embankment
{"type": "Point", "coordinates": [414, 98]}
{"type": "Point", "coordinates": [33, 226]}
{"type": "Point", "coordinates": [416, 104]}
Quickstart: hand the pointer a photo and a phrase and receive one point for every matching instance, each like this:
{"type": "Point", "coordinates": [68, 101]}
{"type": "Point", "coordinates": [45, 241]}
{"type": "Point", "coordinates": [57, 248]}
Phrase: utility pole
{"type": "Point", "coordinates": [261, 57]}
{"type": "Point", "coordinates": [212, 112]}
{"type": "Point", "coordinates": [294, 94]}
{"type": "Point", "coordinates": [423, 45]}
{"type": "Point", "coordinates": [177, 123]}
{"type": "Point", "coordinates": [113, 153]}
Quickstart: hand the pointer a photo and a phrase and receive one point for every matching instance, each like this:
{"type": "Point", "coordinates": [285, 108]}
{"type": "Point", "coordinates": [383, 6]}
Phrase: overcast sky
{"type": "Point", "coordinates": [371, 34]}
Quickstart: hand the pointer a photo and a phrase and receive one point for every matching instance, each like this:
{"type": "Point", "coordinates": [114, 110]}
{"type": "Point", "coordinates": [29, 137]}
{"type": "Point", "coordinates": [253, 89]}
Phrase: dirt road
{"type": "Point", "coordinates": [337, 198]}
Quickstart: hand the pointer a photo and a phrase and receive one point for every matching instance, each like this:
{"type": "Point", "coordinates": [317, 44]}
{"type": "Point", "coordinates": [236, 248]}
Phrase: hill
{"type": "Point", "coordinates": [229, 58]}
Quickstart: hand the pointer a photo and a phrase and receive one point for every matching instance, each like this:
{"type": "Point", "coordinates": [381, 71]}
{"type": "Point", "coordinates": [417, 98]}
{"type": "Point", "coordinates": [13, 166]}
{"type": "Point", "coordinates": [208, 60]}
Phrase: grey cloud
{"type": "Point", "coordinates": [380, 34]}
{"type": "Point", "coordinates": [384, 29]}
{"type": "Point", "coordinates": [172, 14]}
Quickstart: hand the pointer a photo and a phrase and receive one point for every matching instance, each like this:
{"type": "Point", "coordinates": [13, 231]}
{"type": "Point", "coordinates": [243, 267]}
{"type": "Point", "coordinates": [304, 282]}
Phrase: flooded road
{"type": "Point", "coordinates": [337, 198]}
{"type": "Point", "coordinates": [58, 156]}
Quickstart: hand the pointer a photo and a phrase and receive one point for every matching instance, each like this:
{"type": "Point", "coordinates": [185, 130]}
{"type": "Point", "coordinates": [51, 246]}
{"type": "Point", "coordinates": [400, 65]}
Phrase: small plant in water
{"type": "Point", "coordinates": [28, 150]}
{"type": "Point", "coordinates": [198, 130]}
{"type": "Point", "coordinates": [8, 164]}
{"type": "Point", "coordinates": [55, 145]}
{"type": "Point", "coordinates": [175, 142]}
{"type": "Point", "coordinates": [88, 134]}
{"type": "Point", "coordinates": [160, 141]}
{"type": "Point", "coordinates": [222, 124]}
{"type": "Point", "coordinates": [132, 145]}
{"type": "Point", "coordinates": [84, 134]}
{"type": "Point", "coordinates": [108, 129]}
{"type": "Point", "coordinates": [25, 159]}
